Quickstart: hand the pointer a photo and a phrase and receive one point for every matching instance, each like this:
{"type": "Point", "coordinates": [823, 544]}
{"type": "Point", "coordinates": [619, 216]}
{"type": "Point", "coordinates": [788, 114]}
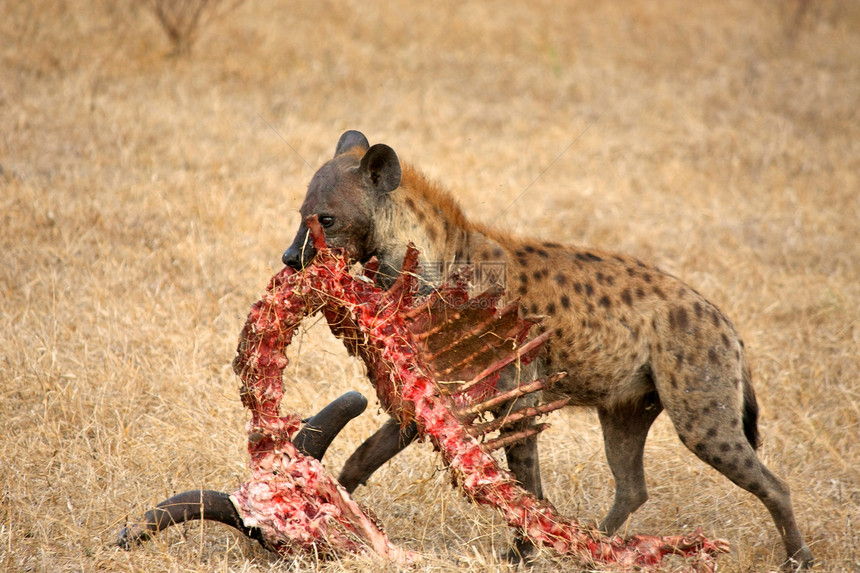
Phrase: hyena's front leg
{"type": "Point", "coordinates": [524, 463]}
{"type": "Point", "coordinates": [522, 457]}
{"type": "Point", "coordinates": [387, 442]}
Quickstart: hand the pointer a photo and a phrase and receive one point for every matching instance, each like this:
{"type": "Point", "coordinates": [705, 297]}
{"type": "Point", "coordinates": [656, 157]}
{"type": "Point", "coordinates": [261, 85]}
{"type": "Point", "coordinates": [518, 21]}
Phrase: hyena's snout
{"type": "Point", "coordinates": [301, 252]}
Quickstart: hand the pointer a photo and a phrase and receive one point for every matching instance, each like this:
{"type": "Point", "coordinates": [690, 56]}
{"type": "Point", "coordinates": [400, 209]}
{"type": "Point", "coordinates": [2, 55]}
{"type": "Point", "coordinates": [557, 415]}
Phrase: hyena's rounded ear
{"type": "Point", "coordinates": [351, 139]}
{"type": "Point", "coordinates": [380, 168]}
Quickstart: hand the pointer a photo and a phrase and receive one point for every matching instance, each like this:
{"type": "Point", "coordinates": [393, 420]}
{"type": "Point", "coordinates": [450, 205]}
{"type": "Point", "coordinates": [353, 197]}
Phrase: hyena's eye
{"type": "Point", "coordinates": [326, 221]}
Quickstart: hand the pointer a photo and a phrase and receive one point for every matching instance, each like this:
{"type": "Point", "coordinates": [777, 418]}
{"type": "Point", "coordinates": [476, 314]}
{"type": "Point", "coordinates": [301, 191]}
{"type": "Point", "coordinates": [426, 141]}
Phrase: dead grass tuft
{"type": "Point", "coordinates": [145, 201]}
{"type": "Point", "coordinates": [183, 20]}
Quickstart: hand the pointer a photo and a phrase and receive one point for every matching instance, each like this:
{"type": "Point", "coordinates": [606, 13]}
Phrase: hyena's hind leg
{"type": "Point", "coordinates": [736, 459]}
{"type": "Point", "coordinates": [625, 429]}
{"type": "Point", "coordinates": [773, 493]}
{"type": "Point", "coordinates": [720, 428]}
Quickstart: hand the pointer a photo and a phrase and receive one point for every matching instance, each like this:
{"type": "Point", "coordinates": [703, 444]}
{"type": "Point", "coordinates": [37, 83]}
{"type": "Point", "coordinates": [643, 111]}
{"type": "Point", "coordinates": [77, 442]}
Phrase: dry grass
{"type": "Point", "coordinates": [145, 201]}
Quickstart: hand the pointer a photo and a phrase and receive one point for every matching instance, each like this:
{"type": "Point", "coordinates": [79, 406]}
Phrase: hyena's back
{"type": "Point", "coordinates": [623, 329]}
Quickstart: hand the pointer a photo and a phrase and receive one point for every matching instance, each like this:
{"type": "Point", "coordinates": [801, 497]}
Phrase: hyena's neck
{"type": "Point", "coordinates": [423, 213]}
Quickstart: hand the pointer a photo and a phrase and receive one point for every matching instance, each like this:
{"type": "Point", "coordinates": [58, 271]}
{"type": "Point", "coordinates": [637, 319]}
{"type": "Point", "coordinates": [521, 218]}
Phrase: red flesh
{"type": "Point", "coordinates": [297, 506]}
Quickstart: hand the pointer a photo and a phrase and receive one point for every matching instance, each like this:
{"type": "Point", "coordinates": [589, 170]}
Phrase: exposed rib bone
{"type": "Point", "coordinates": [524, 354]}
{"type": "Point", "coordinates": [491, 404]}
{"type": "Point", "coordinates": [476, 430]}
{"type": "Point", "coordinates": [478, 336]}
{"type": "Point", "coordinates": [513, 437]}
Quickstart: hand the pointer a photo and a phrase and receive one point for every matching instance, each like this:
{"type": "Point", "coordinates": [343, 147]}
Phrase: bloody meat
{"type": "Point", "coordinates": [429, 361]}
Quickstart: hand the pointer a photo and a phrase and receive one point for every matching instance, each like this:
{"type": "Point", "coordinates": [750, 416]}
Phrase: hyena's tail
{"type": "Point", "coordinates": [750, 412]}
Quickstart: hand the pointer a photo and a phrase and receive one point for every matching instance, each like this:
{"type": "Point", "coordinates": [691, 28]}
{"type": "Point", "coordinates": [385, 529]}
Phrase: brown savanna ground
{"type": "Point", "coordinates": [145, 201]}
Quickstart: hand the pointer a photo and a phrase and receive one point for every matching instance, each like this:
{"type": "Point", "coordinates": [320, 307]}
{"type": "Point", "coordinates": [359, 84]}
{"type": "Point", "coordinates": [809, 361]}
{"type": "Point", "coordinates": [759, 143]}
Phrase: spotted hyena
{"type": "Point", "coordinates": [633, 340]}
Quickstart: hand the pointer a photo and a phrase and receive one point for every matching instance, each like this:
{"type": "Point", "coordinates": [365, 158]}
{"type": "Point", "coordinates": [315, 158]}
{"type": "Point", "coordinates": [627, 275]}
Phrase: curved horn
{"type": "Point", "coordinates": [186, 506]}
{"type": "Point", "coordinates": [318, 432]}
{"type": "Point", "coordinates": [312, 440]}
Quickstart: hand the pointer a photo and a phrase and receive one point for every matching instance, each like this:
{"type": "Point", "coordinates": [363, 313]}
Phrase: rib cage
{"type": "Point", "coordinates": [434, 360]}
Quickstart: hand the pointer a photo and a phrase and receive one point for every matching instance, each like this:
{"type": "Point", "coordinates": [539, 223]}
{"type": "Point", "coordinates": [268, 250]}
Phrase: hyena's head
{"type": "Point", "coordinates": [346, 194]}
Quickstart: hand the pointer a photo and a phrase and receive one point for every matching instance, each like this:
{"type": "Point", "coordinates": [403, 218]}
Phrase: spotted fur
{"type": "Point", "coordinates": [633, 339]}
